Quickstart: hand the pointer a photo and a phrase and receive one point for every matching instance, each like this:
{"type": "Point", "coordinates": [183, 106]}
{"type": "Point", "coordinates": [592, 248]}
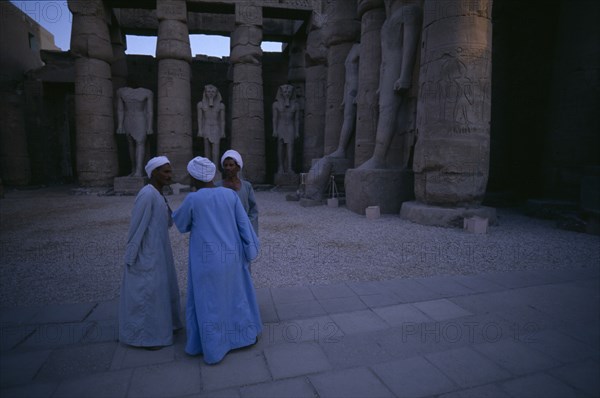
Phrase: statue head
{"type": "Point", "coordinates": [285, 94]}
{"type": "Point", "coordinates": [211, 95]}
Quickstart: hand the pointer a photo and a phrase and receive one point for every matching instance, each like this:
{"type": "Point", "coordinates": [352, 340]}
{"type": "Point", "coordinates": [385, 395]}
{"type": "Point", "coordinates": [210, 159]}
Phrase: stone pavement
{"type": "Point", "coordinates": [505, 334]}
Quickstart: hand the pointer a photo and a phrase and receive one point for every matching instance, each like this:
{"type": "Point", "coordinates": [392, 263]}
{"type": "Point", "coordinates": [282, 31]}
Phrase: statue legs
{"type": "Point", "coordinates": [136, 155]}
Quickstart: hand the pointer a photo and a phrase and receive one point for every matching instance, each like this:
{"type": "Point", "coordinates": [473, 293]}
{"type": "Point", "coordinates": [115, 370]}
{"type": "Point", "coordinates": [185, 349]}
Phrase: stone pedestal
{"type": "Point", "coordinates": [291, 180]}
{"type": "Point", "coordinates": [444, 216]}
{"type": "Point", "coordinates": [128, 185]}
{"type": "Point", "coordinates": [378, 187]}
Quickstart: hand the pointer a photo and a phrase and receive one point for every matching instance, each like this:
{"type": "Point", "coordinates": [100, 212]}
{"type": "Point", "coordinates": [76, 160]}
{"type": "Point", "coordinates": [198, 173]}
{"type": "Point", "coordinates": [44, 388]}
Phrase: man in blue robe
{"type": "Point", "coordinates": [149, 305]}
{"type": "Point", "coordinates": [221, 312]}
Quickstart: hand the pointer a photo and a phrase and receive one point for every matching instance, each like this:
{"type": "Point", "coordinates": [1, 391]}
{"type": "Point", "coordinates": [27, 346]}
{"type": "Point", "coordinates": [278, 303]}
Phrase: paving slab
{"type": "Point", "coordinates": [52, 335]}
{"type": "Point", "coordinates": [368, 288]}
{"type": "Point", "coordinates": [238, 368]}
{"type": "Point", "coordinates": [267, 308]}
{"type": "Point", "coordinates": [336, 290]}
{"type": "Point", "coordinates": [356, 350]}
{"type": "Point", "coordinates": [466, 367]}
{"type": "Point", "coordinates": [539, 385]}
{"type": "Point", "coordinates": [516, 357]}
{"type": "Point", "coordinates": [581, 375]}
{"type": "Point", "coordinates": [76, 361]}
{"type": "Point", "coordinates": [288, 388]}
{"type": "Point", "coordinates": [478, 284]}
{"type": "Point", "coordinates": [486, 391]}
{"type": "Point", "coordinates": [166, 379]}
{"type": "Point", "coordinates": [359, 322]}
{"type": "Point", "coordinates": [131, 357]}
{"type": "Point", "coordinates": [413, 377]}
{"type": "Point", "coordinates": [380, 300]}
{"type": "Point", "coordinates": [442, 310]}
{"type": "Point", "coordinates": [444, 286]}
{"type": "Point", "coordinates": [400, 314]}
{"type": "Point", "coordinates": [410, 291]}
{"type": "Point", "coordinates": [319, 330]}
{"type": "Point", "coordinates": [299, 310]}
{"type": "Point", "coordinates": [105, 310]}
{"type": "Point", "coordinates": [19, 315]}
{"type": "Point", "coordinates": [108, 384]}
{"type": "Point", "coordinates": [349, 383]}
{"type": "Point", "coordinates": [13, 334]}
{"type": "Point", "coordinates": [560, 346]}
{"type": "Point", "coordinates": [294, 294]}
{"type": "Point", "coordinates": [342, 304]}
{"type": "Point", "coordinates": [291, 360]}
{"type": "Point", "coordinates": [35, 390]}
{"type": "Point", "coordinates": [21, 367]}
{"type": "Point", "coordinates": [63, 313]}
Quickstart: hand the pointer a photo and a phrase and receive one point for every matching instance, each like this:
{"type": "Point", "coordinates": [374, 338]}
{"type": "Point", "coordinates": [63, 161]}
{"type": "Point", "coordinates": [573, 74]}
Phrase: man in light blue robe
{"type": "Point", "coordinates": [221, 311]}
{"type": "Point", "coordinates": [149, 305]}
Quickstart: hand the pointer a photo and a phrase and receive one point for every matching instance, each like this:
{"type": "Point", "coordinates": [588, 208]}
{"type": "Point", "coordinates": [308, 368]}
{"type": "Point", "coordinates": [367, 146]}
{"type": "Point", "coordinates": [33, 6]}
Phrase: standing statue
{"type": "Point", "coordinates": [286, 126]}
{"type": "Point", "coordinates": [211, 122]}
{"type": "Point", "coordinates": [399, 38]}
{"type": "Point", "coordinates": [135, 114]}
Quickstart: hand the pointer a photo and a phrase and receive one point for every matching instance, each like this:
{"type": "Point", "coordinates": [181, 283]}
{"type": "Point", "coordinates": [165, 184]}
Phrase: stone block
{"type": "Point", "coordinates": [444, 216]}
{"type": "Point", "coordinates": [372, 212]}
{"type": "Point", "coordinates": [357, 382]}
{"type": "Point", "coordinates": [128, 185]}
{"type": "Point", "coordinates": [385, 188]}
{"type": "Point", "coordinates": [289, 360]}
{"type": "Point", "coordinates": [333, 202]}
{"type": "Point", "coordinates": [476, 225]}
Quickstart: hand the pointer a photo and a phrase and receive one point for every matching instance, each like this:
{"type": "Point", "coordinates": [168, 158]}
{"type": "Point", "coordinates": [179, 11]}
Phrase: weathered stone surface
{"type": "Point", "coordinates": [286, 179]}
{"type": "Point", "coordinates": [171, 10]}
{"type": "Point", "coordinates": [14, 159]}
{"type": "Point", "coordinates": [173, 41]}
{"type": "Point", "coordinates": [316, 50]}
{"type": "Point", "coordinates": [452, 152]}
{"type": "Point", "coordinates": [128, 185]}
{"type": "Point", "coordinates": [314, 114]}
{"type": "Point", "coordinates": [367, 99]}
{"type": "Point", "coordinates": [174, 128]}
{"type": "Point", "coordinates": [248, 14]}
{"type": "Point", "coordinates": [94, 123]}
{"type": "Point", "coordinates": [90, 37]}
{"type": "Point", "coordinates": [385, 188]}
{"type": "Point", "coordinates": [444, 216]}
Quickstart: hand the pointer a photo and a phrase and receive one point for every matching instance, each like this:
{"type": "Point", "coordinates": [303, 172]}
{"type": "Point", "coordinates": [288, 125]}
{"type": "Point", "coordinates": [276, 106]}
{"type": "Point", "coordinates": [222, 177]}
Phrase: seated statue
{"type": "Point", "coordinates": [399, 38]}
{"type": "Point", "coordinates": [211, 122]}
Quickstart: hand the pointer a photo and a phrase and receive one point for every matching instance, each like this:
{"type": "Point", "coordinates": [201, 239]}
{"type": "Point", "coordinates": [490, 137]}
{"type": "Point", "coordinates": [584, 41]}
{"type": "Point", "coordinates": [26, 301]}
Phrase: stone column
{"type": "Point", "coordinates": [119, 63]}
{"type": "Point", "coordinates": [341, 31]}
{"type": "Point", "coordinates": [247, 113]}
{"type": "Point", "coordinates": [96, 150]}
{"type": "Point", "coordinates": [315, 94]}
{"type": "Point", "coordinates": [174, 113]}
{"type": "Point", "coordinates": [451, 157]}
{"type": "Point", "coordinates": [372, 16]}
{"type": "Point", "coordinates": [297, 78]}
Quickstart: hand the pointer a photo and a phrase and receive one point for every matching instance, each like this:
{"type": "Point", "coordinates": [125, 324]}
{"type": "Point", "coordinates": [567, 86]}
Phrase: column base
{"type": "Point", "coordinates": [449, 217]}
{"type": "Point", "coordinates": [385, 188]}
{"type": "Point", "coordinates": [128, 185]}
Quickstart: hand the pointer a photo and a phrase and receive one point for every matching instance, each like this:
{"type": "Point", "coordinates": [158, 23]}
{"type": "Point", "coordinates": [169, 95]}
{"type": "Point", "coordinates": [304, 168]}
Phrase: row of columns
{"type": "Point", "coordinates": [100, 69]}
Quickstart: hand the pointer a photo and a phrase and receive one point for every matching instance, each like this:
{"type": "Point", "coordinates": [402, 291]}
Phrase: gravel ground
{"type": "Point", "coordinates": [57, 247]}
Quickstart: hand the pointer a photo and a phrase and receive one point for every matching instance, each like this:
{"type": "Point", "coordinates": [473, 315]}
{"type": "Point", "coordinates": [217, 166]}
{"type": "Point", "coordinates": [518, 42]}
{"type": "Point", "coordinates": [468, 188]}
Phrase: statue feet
{"type": "Point", "coordinates": [372, 163]}
{"type": "Point", "coordinates": [338, 153]}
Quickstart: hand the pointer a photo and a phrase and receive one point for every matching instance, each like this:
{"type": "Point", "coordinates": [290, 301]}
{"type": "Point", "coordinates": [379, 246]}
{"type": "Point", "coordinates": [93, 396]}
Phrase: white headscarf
{"type": "Point", "coordinates": [154, 163]}
{"type": "Point", "coordinates": [234, 155]}
{"type": "Point", "coordinates": [202, 169]}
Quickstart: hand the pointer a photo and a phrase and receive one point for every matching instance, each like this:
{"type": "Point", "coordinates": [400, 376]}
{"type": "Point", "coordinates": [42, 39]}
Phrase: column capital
{"type": "Point", "coordinates": [248, 14]}
{"type": "Point", "coordinates": [171, 9]}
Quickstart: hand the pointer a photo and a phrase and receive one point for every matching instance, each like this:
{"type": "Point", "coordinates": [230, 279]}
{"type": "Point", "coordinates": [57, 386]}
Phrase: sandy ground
{"type": "Point", "coordinates": [57, 247]}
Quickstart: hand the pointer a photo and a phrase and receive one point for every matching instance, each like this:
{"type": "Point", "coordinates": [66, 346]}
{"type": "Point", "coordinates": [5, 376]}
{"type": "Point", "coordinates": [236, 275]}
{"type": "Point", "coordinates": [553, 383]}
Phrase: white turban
{"type": "Point", "coordinates": [202, 169]}
{"type": "Point", "coordinates": [154, 163]}
{"type": "Point", "coordinates": [234, 155]}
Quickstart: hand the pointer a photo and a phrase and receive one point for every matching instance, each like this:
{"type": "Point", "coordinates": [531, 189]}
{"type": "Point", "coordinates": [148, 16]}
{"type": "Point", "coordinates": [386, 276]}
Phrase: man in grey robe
{"type": "Point", "coordinates": [149, 304]}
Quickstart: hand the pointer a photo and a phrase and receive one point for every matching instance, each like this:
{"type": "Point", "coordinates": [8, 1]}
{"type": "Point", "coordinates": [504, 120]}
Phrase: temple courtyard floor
{"type": "Point", "coordinates": [351, 307]}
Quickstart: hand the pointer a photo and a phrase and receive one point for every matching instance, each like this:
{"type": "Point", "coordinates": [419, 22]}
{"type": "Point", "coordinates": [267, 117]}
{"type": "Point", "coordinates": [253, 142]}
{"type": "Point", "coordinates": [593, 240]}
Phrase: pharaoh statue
{"type": "Point", "coordinates": [286, 126]}
{"type": "Point", "coordinates": [399, 38]}
{"type": "Point", "coordinates": [211, 122]}
{"type": "Point", "coordinates": [318, 175]}
{"type": "Point", "coordinates": [135, 114]}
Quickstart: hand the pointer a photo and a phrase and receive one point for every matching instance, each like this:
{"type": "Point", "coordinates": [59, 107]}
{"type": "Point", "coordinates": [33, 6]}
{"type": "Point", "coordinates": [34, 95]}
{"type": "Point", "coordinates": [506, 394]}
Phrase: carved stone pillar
{"type": "Point", "coordinates": [96, 150]}
{"type": "Point", "coordinates": [174, 113]}
{"type": "Point", "coordinates": [296, 77]}
{"type": "Point", "coordinates": [451, 157]}
{"type": "Point", "coordinates": [247, 113]}
{"type": "Point", "coordinates": [372, 16]}
{"type": "Point", "coordinates": [341, 31]}
{"type": "Point", "coordinates": [315, 94]}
